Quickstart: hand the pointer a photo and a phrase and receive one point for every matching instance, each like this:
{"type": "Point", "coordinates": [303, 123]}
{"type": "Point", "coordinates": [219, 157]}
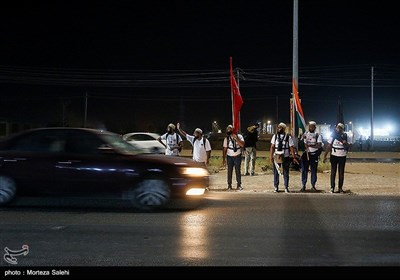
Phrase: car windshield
{"type": "Point", "coordinates": [121, 145]}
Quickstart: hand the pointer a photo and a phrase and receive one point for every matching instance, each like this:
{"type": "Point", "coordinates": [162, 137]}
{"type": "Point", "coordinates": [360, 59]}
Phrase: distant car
{"type": "Point", "coordinates": [146, 141]}
{"type": "Point", "coordinates": [78, 162]}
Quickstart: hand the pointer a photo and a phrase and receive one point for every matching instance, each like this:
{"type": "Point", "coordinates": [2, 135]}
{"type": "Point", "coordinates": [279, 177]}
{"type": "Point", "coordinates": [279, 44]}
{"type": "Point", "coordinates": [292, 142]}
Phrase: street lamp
{"type": "Point", "coordinates": [215, 127]}
{"type": "Point", "coordinates": [269, 127]}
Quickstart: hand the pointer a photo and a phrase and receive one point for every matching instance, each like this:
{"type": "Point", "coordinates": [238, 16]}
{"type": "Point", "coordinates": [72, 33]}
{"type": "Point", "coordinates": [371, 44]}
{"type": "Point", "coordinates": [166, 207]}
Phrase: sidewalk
{"type": "Point", "coordinates": [395, 155]}
{"type": "Point", "coordinates": [360, 179]}
{"type": "Point", "coordinates": [355, 154]}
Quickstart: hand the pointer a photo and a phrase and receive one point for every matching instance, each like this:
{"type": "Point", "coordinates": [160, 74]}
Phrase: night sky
{"type": "Point", "coordinates": [144, 64]}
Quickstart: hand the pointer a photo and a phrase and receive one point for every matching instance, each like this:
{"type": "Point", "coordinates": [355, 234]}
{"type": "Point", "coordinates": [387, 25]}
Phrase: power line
{"type": "Point", "coordinates": [327, 76]}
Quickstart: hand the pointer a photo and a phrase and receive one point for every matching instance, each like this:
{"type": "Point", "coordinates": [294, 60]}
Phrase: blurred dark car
{"type": "Point", "coordinates": [79, 162]}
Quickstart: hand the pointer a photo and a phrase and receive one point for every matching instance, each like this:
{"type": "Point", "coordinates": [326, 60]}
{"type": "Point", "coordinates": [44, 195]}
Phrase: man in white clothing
{"type": "Point", "coordinates": [201, 145]}
{"type": "Point", "coordinates": [232, 154]}
{"type": "Point", "coordinates": [174, 141]}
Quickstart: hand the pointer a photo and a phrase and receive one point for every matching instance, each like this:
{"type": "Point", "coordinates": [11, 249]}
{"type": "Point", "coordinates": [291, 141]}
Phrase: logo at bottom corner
{"type": "Point", "coordinates": [10, 255]}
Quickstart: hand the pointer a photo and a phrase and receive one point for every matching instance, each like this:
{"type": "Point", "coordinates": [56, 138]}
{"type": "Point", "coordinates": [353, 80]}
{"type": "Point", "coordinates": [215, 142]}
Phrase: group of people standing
{"type": "Point", "coordinates": [174, 143]}
{"type": "Point", "coordinates": [282, 153]}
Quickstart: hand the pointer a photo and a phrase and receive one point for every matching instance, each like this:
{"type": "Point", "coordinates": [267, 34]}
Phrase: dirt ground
{"type": "Point", "coordinates": [360, 179]}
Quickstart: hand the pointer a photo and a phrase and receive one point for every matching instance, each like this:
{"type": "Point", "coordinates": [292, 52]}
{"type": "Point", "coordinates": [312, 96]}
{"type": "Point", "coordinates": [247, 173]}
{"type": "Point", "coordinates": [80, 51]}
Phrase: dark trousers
{"type": "Point", "coordinates": [337, 163]}
{"type": "Point", "coordinates": [285, 167]}
{"type": "Point", "coordinates": [234, 162]}
{"type": "Point", "coordinates": [312, 163]}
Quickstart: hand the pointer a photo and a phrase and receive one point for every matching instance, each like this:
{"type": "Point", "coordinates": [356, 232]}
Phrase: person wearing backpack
{"type": "Point", "coordinates": [338, 146]}
{"type": "Point", "coordinates": [310, 157]}
{"type": "Point", "coordinates": [250, 150]}
{"type": "Point", "coordinates": [232, 155]}
{"type": "Point", "coordinates": [174, 141]}
{"type": "Point", "coordinates": [201, 145]}
{"type": "Point", "coordinates": [282, 147]}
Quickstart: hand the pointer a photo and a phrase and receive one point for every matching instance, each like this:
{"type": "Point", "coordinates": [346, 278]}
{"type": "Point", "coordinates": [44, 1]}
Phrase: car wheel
{"type": "Point", "coordinates": [8, 189]}
{"type": "Point", "coordinates": [151, 193]}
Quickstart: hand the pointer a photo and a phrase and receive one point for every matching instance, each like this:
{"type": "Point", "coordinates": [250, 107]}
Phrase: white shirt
{"type": "Point", "coordinates": [199, 151]}
{"type": "Point", "coordinates": [337, 147]}
{"type": "Point", "coordinates": [310, 138]}
{"type": "Point", "coordinates": [232, 145]}
{"type": "Point", "coordinates": [170, 139]}
{"type": "Point", "coordinates": [285, 147]}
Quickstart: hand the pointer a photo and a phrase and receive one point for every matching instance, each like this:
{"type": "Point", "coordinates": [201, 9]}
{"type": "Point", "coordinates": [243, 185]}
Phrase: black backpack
{"type": "Point", "coordinates": [235, 148]}
{"type": "Point", "coordinates": [177, 140]}
{"type": "Point", "coordinates": [204, 143]}
{"type": "Point", "coordinates": [280, 142]}
{"type": "Point", "coordinates": [341, 137]}
{"type": "Point", "coordinates": [320, 149]}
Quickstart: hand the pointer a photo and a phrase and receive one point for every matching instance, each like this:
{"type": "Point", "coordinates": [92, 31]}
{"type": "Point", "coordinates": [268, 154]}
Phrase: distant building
{"type": "Point", "coordinates": [324, 130]}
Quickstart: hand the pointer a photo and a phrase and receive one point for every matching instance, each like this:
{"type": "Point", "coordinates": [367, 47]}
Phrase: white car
{"type": "Point", "coordinates": [146, 141]}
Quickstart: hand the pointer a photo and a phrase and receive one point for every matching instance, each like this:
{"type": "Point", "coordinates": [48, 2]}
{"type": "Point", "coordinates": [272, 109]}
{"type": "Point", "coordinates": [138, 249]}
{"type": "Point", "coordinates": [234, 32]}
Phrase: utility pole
{"type": "Point", "coordinates": [85, 114]}
{"type": "Point", "coordinates": [372, 108]}
{"type": "Point", "coordinates": [277, 110]}
{"type": "Point", "coordinates": [64, 105]}
{"type": "Point", "coordinates": [182, 112]}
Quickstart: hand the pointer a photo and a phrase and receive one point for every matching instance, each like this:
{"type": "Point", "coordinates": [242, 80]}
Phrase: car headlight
{"type": "Point", "coordinates": [195, 171]}
{"type": "Point", "coordinates": [195, 191]}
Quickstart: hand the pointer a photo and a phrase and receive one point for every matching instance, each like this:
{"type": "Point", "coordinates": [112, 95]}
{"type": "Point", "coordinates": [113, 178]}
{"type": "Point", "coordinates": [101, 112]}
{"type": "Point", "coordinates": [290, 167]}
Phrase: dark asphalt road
{"type": "Point", "coordinates": [229, 229]}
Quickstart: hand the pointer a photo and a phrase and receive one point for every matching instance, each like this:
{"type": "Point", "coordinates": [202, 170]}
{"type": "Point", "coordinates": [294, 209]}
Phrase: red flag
{"type": "Point", "coordinates": [237, 101]}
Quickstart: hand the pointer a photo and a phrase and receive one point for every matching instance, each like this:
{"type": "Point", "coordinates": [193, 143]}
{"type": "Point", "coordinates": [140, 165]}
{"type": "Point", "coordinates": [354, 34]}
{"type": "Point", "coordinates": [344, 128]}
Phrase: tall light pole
{"type": "Point", "coordinates": [269, 127]}
{"type": "Point", "coordinates": [295, 80]}
{"type": "Point", "coordinates": [372, 108]}
{"type": "Point", "coordinates": [277, 109]}
{"type": "Point", "coordinates": [215, 127]}
{"type": "Point", "coordinates": [85, 113]}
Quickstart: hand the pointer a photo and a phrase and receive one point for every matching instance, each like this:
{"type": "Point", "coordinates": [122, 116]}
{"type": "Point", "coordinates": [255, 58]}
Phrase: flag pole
{"type": "Point", "coordinates": [295, 73]}
{"type": "Point", "coordinates": [237, 100]}
{"type": "Point", "coordinates": [230, 73]}
{"type": "Point", "coordinates": [239, 124]}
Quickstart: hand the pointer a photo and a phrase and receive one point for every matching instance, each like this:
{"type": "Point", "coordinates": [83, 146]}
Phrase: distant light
{"type": "Point", "coordinates": [381, 132]}
{"type": "Point", "coordinates": [389, 128]}
{"type": "Point", "coordinates": [377, 132]}
{"type": "Point", "coordinates": [364, 132]}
